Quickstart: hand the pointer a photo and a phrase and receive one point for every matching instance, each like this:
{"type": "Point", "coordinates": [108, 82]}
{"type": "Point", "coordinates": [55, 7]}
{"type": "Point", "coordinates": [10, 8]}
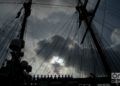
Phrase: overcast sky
{"type": "Point", "coordinates": [46, 34]}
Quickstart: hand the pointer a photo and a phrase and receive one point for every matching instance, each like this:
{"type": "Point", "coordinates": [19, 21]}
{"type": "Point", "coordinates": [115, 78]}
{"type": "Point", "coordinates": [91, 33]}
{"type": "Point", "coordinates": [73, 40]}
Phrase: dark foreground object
{"type": "Point", "coordinates": [54, 81]}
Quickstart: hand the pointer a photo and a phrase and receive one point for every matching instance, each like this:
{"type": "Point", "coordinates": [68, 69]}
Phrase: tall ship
{"type": "Point", "coordinates": [59, 43]}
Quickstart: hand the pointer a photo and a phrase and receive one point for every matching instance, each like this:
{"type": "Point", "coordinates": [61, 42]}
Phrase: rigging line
{"type": "Point", "coordinates": [17, 23]}
{"type": "Point", "coordinates": [112, 52]}
{"type": "Point", "coordinates": [11, 30]}
{"type": "Point", "coordinates": [9, 15]}
{"type": "Point", "coordinates": [85, 53]}
{"type": "Point", "coordinates": [70, 59]}
{"type": "Point", "coordinates": [54, 5]}
{"type": "Point", "coordinates": [58, 26]}
{"type": "Point", "coordinates": [4, 25]}
{"type": "Point", "coordinates": [80, 59]}
{"type": "Point", "coordinates": [110, 12]}
{"type": "Point", "coordinates": [107, 26]}
{"type": "Point", "coordinates": [90, 55]}
{"type": "Point", "coordinates": [113, 8]}
{"type": "Point", "coordinates": [93, 56]}
{"type": "Point", "coordinates": [67, 38]}
{"type": "Point", "coordinates": [96, 59]}
{"type": "Point", "coordinates": [96, 20]}
{"type": "Point", "coordinates": [74, 28]}
{"type": "Point", "coordinates": [64, 47]}
{"type": "Point", "coordinates": [62, 26]}
{"type": "Point", "coordinates": [63, 43]}
{"type": "Point", "coordinates": [45, 58]}
{"type": "Point", "coordinates": [2, 42]}
{"type": "Point", "coordinates": [6, 37]}
{"type": "Point", "coordinates": [43, 47]}
{"type": "Point", "coordinates": [42, 4]}
{"type": "Point", "coordinates": [44, 70]}
{"type": "Point", "coordinates": [97, 55]}
{"type": "Point", "coordinates": [69, 25]}
{"type": "Point", "coordinates": [92, 52]}
{"type": "Point", "coordinates": [7, 44]}
{"type": "Point", "coordinates": [52, 48]}
{"type": "Point", "coordinates": [83, 58]}
{"type": "Point", "coordinates": [82, 51]}
{"type": "Point", "coordinates": [113, 11]}
{"type": "Point", "coordinates": [79, 54]}
{"type": "Point", "coordinates": [111, 48]}
{"type": "Point", "coordinates": [25, 32]}
{"type": "Point", "coordinates": [114, 14]}
{"type": "Point", "coordinates": [47, 70]}
{"type": "Point", "coordinates": [75, 33]}
{"type": "Point", "coordinates": [77, 28]}
{"type": "Point", "coordinates": [102, 44]}
{"type": "Point", "coordinates": [98, 38]}
{"type": "Point", "coordinates": [97, 34]}
{"type": "Point", "coordinates": [112, 61]}
{"type": "Point", "coordinates": [75, 59]}
{"type": "Point", "coordinates": [102, 47]}
{"type": "Point", "coordinates": [104, 17]}
{"type": "Point", "coordinates": [99, 61]}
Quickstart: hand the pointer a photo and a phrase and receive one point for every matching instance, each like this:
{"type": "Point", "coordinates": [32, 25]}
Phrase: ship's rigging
{"type": "Point", "coordinates": [85, 15]}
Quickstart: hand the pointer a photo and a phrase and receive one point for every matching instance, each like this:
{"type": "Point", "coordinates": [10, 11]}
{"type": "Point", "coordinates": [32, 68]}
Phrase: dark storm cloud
{"type": "Point", "coordinates": [56, 46]}
{"type": "Point", "coordinates": [72, 54]}
{"type": "Point", "coordinates": [42, 28]}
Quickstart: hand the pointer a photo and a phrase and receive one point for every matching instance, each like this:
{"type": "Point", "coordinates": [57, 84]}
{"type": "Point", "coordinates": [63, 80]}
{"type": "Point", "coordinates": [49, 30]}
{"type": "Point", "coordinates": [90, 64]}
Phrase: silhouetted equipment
{"type": "Point", "coordinates": [16, 73]}
{"type": "Point", "coordinates": [17, 44]}
{"type": "Point", "coordinates": [17, 70]}
{"type": "Point", "coordinates": [88, 21]}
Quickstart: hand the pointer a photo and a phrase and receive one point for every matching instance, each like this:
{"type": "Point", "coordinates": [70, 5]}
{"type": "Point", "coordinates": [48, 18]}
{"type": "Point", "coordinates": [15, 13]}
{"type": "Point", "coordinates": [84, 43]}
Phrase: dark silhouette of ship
{"type": "Point", "coordinates": [16, 72]}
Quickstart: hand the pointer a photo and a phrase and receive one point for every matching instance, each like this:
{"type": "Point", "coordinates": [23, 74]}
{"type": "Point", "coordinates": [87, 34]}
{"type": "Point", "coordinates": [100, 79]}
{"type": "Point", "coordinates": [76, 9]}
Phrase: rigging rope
{"type": "Point", "coordinates": [12, 30]}
{"type": "Point", "coordinates": [104, 17]}
{"type": "Point", "coordinates": [54, 45]}
{"type": "Point", "coordinates": [110, 53]}
{"type": "Point", "coordinates": [9, 37]}
{"type": "Point", "coordinates": [88, 44]}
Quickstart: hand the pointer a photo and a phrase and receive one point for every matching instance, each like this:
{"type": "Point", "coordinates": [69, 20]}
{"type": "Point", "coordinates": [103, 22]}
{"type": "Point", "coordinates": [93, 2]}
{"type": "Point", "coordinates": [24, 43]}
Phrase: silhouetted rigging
{"type": "Point", "coordinates": [19, 70]}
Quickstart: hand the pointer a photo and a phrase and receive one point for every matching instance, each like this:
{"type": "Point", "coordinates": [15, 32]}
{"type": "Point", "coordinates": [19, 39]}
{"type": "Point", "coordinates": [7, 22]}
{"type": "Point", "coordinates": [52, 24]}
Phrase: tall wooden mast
{"type": "Point", "coordinates": [87, 19]}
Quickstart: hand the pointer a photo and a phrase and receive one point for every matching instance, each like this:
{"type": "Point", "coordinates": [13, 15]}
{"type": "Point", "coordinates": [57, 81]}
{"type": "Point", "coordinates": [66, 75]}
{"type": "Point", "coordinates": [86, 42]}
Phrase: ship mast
{"type": "Point", "coordinates": [87, 18]}
{"type": "Point", "coordinates": [19, 70]}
